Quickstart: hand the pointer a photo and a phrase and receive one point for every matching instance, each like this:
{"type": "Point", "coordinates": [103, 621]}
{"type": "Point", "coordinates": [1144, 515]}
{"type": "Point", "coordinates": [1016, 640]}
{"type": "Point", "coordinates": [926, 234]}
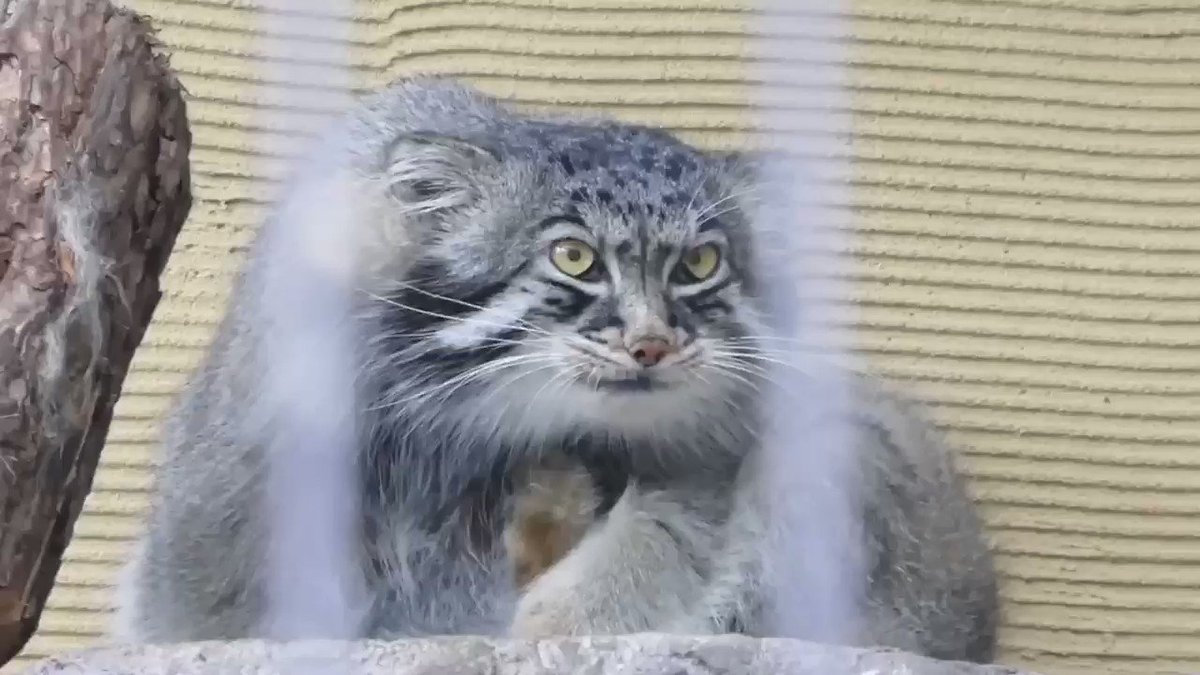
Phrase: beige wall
{"type": "Point", "coordinates": [1026, 189]}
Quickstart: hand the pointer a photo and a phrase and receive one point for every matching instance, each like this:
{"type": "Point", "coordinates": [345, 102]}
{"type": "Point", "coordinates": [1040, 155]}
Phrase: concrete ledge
{"type": "Point", "coordinates": [646, 654]}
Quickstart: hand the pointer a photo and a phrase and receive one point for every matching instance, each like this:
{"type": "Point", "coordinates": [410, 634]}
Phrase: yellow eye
{"type": "Point", "coordinates": [700, 263]}
{"type": "Point", "coordinates": [573, 257]}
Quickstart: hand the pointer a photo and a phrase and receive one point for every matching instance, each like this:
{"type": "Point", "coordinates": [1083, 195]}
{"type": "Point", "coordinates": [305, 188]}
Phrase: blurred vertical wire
{"type": "Point", "coordinates": [312, 494]}
{"type": "Point", "coordinates": [814, 552]}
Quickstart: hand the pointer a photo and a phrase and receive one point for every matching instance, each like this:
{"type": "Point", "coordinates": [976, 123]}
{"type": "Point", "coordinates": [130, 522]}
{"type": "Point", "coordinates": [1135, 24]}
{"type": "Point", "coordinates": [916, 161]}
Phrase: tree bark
{"type": "Point", "coordinates": [94, 180]}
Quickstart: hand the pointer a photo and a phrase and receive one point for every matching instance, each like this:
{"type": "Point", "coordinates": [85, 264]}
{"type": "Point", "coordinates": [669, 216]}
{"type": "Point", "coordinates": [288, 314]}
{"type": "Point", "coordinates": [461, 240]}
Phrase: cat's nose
{"type": "Point", "coordinates": [649, 351]}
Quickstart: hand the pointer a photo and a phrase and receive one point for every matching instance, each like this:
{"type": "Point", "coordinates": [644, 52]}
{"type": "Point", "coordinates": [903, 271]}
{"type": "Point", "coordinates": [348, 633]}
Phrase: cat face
{"type": "Point", "coordinates": [635, 311]}
{"type": "Point", "coordinates": [594, 278]}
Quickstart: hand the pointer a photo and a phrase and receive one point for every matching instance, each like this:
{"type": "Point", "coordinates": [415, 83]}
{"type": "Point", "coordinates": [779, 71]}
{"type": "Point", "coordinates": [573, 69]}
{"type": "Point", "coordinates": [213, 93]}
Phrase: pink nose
{"type": "Point", "coordinates": [649, 351]}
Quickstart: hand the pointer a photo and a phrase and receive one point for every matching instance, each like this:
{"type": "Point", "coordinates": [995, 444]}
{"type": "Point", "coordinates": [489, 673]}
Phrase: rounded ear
{"type": "Point", "coordinates": [430, 172]}
{"type": "Point", "coordinates": [742, 167]}
{"type": "Point", "coordinates": [741, 174]}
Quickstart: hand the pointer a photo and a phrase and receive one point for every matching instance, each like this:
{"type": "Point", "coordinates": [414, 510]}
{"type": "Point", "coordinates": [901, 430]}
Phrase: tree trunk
{"type": "Point", "coordinates": [94, 187]}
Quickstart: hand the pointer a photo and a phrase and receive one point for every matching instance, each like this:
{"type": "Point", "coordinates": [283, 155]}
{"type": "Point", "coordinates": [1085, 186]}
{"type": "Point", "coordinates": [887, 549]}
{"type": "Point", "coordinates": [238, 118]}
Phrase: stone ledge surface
{"type": "Point", "coordinates": [645, 654]}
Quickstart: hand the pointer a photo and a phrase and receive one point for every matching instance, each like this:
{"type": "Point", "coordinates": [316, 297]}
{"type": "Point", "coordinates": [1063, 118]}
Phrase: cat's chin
{"type": "Point", "coordinates": [634, 403]}
{"type": "Point", "coordinates": [669, 409]}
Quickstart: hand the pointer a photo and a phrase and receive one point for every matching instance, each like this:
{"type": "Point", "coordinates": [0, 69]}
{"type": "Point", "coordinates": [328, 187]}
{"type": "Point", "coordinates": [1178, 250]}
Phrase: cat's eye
{"type": "Point", "coordinates": [573, 257]}
{"type": "Point", "coordinates": [699, 264]}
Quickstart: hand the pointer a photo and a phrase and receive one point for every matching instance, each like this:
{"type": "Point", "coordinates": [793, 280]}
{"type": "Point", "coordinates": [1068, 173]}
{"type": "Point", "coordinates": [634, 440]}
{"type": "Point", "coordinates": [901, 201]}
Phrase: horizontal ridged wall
{"type": "Point", "coordinates": [1025, 190]}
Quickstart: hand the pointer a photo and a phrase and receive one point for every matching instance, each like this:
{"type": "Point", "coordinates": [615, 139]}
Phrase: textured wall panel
{"type": "Point", "coordinates": [1028, 258]}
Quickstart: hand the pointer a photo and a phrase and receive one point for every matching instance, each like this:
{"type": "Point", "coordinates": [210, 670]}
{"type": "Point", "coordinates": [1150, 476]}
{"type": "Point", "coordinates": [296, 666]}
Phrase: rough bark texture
{"type": "Point", "coordinates": [95, 186]}
{"type": "Point", "coordinates": [646, 654]}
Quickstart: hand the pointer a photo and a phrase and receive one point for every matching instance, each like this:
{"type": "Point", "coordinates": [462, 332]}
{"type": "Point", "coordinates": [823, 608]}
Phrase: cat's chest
{"type": "Point", "coordinates": [607, 463]}
{"type": "Point", "coordinates": [613, 463]}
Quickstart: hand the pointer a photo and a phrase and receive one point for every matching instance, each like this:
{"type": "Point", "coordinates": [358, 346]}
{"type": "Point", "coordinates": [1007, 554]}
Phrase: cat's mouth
{"type": "Point", "coordinates": [612, 373]}
{"type": "Point", "coordinates": [638, 383]}
{"type": "Point", "coordinates": [607, 373]}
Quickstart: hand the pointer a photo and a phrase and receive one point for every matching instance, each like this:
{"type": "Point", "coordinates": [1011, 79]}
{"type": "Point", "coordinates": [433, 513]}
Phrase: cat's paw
{"type": "Point", "coordinates": [543, 621]}
{"type": "Point", "coordinates": [539, 618]}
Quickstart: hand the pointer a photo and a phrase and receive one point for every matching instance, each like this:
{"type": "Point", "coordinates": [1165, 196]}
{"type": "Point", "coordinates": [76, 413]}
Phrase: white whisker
{"type": "Point", "coordinates": [437, 296]}
{"type": "Point", "coordinates": [706, 212]}
{"type": "Point", "coordinates": [453, 319]}
{"type": "Point", "coordinates": [457, 382]}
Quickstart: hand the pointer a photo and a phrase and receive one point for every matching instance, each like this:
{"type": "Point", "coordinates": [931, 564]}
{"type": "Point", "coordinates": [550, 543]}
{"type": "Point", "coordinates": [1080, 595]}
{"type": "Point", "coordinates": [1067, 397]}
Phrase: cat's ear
{"type": "Point", "coordinates": [742, 166]}
{"type": "Point", "coordinates": [432, 172]}
{"type": "Point", "coordinates": [741, 173]}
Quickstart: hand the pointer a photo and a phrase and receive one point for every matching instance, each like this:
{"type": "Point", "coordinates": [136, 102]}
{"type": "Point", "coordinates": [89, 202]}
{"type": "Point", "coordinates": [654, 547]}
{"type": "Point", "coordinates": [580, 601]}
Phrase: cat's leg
{"type": "Point", "coordinates": [637, 569]}
{"type": "Point", "coordinates": [931, 582]}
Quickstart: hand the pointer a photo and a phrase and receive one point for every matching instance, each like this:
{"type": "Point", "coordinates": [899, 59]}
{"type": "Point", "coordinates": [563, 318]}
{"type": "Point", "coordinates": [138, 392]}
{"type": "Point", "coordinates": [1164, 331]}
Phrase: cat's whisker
{"type": "Point", "coordinates": [593, 377]}
{"type": "Point", "coordinates": [695, 372]}
{"type": "Point", "coordinates": [502, 388]}
{"type": "Point", "coordinates": [705, 213]}
{"type": "Point", "coordinates": [462, 303]}
{"type": "Point", "coordinates": [757, 359]}
{"type": "Point", "coordinates": [480, 373]}
{"type": "Point", "coordinates": [750, 376]}
{"type": "Point", "coordinates": [565, 376]}
{"type": "Point", "coordinates": [454, 319]}
{"type": "Point", "coordinates": [594, 357]}
{"type": "Point", "coordinates": [499, 389]}
{"type": "Point", "coordinates": [457, 382]}
{"type": "Point", "coordinates": [750, 365]}
{"type": "Point", "coordinates": [387, 336]}
{"type": "Point", "coordinates": [786, 352]}
{"type": "Point", "coordinates": [695, 195]}
{"type": "Point", "coordinates": [777, 358]}
{"type": "Point", "coordinates": [768, 338]}
{"type": "Point", "coordinates": [713, 215]}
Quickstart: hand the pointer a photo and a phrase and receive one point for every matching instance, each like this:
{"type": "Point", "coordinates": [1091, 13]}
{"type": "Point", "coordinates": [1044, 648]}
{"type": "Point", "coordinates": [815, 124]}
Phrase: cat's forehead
{"type": "Point", "coordinates": [627, 180]}
{"type": "Point", "coordinates": [616, 152]}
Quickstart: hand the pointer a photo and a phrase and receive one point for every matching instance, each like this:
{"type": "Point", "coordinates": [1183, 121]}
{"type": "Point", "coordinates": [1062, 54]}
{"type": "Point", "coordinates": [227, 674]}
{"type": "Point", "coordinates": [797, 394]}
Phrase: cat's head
{"type": "Point", "coordinates": [573, 276]}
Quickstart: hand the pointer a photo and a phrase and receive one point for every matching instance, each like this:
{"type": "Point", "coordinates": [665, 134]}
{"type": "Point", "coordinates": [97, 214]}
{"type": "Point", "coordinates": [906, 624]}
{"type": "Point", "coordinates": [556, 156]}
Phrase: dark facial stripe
{"type": "Point", "coordinates": [565, 218]}
{"type": "Point", "coordinates": [711, 290]}
{"type": "Point", "coordinates": [454, 361]}
{"type": "Point", "coordinates": [561, 285]}
{"type": "Point", "coordinates": [436, 299]}
{"type": "Point", "coordinates": [685, 318]}
{"type": "Point", "coordinates": [574, 307]}
{"type": "Point", "coordinates": [713, 305]}
{"type": "Point", "coordinates": [604, 316]}
{"type": "Point", "coordinates": [576, 302]}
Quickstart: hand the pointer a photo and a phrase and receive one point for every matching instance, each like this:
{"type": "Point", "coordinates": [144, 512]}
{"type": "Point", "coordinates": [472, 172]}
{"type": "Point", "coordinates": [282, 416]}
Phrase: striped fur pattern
{"type": "Point", "coordinates": [521, 286]}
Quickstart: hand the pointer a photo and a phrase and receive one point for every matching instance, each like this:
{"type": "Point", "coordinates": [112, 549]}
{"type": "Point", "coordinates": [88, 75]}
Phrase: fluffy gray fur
{"type": "Point", "coordinates": [931, 582]}
{"type": "Point", "coordinates": [476, 354]}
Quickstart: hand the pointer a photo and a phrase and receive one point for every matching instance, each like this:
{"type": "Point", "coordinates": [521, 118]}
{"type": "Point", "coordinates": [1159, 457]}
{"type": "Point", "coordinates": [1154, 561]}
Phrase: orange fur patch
{"type": "Point", "coordinates": [551, 514]}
